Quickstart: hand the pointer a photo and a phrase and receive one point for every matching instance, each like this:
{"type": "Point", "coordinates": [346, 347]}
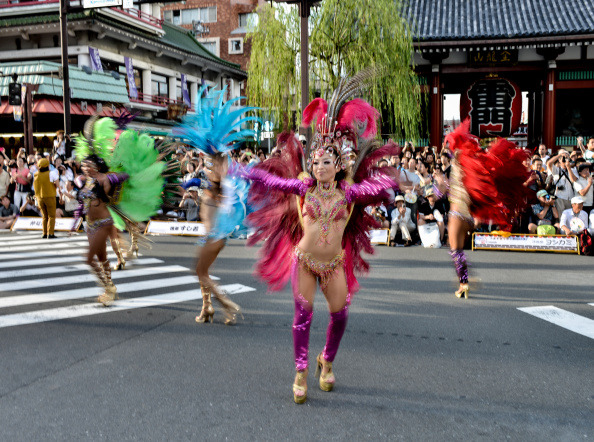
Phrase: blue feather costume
{"type": "Point", "coordinates": [217, 129]}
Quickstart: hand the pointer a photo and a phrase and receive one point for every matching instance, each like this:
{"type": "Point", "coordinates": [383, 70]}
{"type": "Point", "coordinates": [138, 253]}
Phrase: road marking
{"type": "Point", "coordinates": [42, 261]}
{"type": "Point", "coordinates": [91, 292]}
{"type": "Point", "coordinates": [77, 279]}
{"type": "Point", "coordinates": [18, 237]}
{"type": "Point", "coordinates": [58, 270]}
{"type": "Point", "coordinates": [14, 256]}
{"type": "Point", "coordinates": [59, 240]}
{"type": "Point", "coordinates": [10, 248]}
{"type": "Point", "coordinates": [562, 318]}
{"type": "Point", "coordinates": [124, 304]}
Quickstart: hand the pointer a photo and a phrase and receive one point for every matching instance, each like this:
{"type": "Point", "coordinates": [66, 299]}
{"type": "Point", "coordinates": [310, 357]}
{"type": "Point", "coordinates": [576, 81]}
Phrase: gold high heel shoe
{"type": "Point", "coordinates": [115, 245]}
{"type": "Point", "coordinates": [230, 309]}
{"type": "Point", "coordinates": [121, 265]}
{"type": "Point", "coordinates": [326, 381]}
{"type": "Point", "coordinates": [207, 312]}
{"type": "Point", "coordinates": [300, 391]}
{"type": "Point", "coordinates": [462, 291]}
{"type": "Point", "coordinates": [111, 293]}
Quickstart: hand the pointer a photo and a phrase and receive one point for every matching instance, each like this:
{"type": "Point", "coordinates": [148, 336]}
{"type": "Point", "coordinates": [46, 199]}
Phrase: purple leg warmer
{"type": "Point", "coordinates": [301, 324]}
{"type": "Point", "coordinates": [459, 258]}
{"type": "Point", "coordinates": [336, 327]}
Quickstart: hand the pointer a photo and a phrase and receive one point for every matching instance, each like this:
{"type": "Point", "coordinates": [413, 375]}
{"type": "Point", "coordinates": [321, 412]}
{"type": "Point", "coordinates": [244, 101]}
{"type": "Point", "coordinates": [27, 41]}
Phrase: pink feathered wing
{"type": "Point", "coordinates": [275, 217]}
{"type": "Point", "coordinates": [493, 179]}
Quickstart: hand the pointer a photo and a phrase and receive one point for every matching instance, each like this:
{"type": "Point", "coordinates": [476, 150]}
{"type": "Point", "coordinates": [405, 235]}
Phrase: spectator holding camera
{"type": "Point", "coordinates": [29, 208]}
{"type": "Point", "coordinates": [401, 220]}
{"type": "Point", "coordinates": [432, 211]}
{"type": "Point", "coordinates": [60, 144]}
{"type": "Point", "coordinates": [582, 184]}
{"type": "Point", "coordinates": [561, 187]}
{"type": "Point", "coordinates": [68, 198]}
{"type": "Point", "coordinates": [190, 203]}
{"type": "Point", "coordinates": [544, 212]}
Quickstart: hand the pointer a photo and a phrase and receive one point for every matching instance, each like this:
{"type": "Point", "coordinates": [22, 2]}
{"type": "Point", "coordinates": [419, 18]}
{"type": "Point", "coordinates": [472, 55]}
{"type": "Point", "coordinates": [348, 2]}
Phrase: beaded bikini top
{"type": "Point", "coordinates": [319, 210]}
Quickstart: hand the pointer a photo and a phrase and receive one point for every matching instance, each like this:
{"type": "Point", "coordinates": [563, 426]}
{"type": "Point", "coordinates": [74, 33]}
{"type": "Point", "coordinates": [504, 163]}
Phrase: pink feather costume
{"type": "Point", "coordinates": [278, 197]}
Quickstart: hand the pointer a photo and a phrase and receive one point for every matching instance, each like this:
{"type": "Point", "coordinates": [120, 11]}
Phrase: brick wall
{"type": "Point", "coordinates": [227, 21]}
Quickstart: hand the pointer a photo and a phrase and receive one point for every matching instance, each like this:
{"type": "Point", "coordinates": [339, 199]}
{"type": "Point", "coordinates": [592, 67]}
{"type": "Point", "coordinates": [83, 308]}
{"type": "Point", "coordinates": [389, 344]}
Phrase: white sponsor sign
{"type": "Point", "coordinates": [36, 223]}
{"type": "Point", "coordinates": [526, 242]}
{"type": "Point", "coordinates": [101, 3]}
{"type": "Point", "coordinates": [380, 236]}
{"type": "Point", "coordinates": [175, 228]}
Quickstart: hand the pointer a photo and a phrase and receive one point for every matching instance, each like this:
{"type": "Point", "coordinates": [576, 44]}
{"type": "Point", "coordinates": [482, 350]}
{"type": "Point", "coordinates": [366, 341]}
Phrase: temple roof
{"type": "Point", "coordinates": [490, 19]}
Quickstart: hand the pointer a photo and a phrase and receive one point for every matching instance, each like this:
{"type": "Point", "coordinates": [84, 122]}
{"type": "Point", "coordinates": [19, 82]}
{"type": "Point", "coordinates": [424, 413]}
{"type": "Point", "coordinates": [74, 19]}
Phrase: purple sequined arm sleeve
{"type": "Point", "coordinates": [368, 189]}
{"type": "Point", "coordinates": [287, 185]}
{"type": "Point", "coordinates": [117, 178]}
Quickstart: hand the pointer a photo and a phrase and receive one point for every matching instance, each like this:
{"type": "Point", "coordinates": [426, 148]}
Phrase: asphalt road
{"type": "Point", "coordinates": [415, 362]}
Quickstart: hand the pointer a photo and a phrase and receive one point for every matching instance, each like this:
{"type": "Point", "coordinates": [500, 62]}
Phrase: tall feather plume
{"type": "Point", "coordinates": [346, 89]}
{"type": "Point", "coordinates": [366, 147]}
{"type": "Point", "coordinates": [316, 110]}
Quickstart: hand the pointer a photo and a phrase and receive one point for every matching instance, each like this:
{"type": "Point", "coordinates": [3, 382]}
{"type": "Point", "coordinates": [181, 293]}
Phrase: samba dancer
{"type": "Point", "coordinates": [213, 131]}
{"type": "Point", "coordinates": [316, 238]}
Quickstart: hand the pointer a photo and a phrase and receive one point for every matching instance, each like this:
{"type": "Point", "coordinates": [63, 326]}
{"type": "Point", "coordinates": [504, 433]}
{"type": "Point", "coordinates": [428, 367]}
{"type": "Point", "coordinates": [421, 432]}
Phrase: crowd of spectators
{"type": "Point", "coordinates": [16, 182]}
{"type": "Point", "coordinates": [562, 183]}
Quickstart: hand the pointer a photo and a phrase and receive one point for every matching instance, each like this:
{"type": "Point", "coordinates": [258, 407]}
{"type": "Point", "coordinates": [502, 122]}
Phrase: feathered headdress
{"type": "Point", "coordinates": [341, 123]}
{"type": "Point", "coordinates": [97, 138]}
{"type": "Point", "coordinates": [216, 127]}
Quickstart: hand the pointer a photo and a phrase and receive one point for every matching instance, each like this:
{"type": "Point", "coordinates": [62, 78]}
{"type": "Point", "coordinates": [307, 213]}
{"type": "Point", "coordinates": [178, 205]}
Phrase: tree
{"type": "Point", "coordinates": [346, 37]}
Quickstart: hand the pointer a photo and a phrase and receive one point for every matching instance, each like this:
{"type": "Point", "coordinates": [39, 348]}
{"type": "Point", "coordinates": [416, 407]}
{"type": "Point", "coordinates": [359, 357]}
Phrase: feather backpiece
{"type": "Point", "coordinates": [217, 126]}
{"type": "Point", "coordinates": [494, 179]}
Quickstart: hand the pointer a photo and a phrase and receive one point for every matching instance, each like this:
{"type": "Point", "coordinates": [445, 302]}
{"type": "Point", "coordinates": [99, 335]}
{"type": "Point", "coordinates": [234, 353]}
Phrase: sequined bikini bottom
{"type": "Point", "coordinates": [320, 269]}
{"type": "Point", "coordinates": [94, 226]}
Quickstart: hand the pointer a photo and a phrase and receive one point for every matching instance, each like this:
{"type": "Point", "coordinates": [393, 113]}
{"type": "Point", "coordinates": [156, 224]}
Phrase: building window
{"type": "Point", "coordinates": [188, 16]}
{"type": "Point", "coordinates": [236, 46]}
{"type": "Point", "coordinates": [248, 20]}
{"type": "Point", "coordinates": [159, 86]}
{"type": "Point", "coordinates": [211, 44]}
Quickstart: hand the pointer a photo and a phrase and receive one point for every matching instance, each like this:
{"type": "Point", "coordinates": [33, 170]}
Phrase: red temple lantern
{"type": "Point", "coordinates": [494, 106]}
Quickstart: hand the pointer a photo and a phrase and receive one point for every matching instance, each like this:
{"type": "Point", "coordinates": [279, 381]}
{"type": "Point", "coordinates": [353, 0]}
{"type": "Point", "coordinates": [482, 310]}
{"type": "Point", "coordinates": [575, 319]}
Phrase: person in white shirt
{"type": "Point", "coordinates": [574, 220]}
{"type": "Point", "coordinates": [558, 166]}
{"type": "Point", "coordinates": [582, 184]}
{"type": "Point", "coordinates": [401, 220]}
{"type": "Point", "coordinates": [60, 144]}
{"type": "Point", "coordinates": [544, 154]}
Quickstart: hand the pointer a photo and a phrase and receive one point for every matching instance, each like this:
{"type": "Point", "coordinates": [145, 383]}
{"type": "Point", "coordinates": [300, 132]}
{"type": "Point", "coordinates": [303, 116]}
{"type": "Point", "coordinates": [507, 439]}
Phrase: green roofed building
{"type": "Point", "coordinates": [119, 60]}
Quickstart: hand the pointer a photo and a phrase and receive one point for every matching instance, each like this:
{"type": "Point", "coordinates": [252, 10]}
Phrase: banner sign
{"type": "Point", "coordinates": [526, 243]}
{"type": "Point", "coordinates": [131, 80]}
{"type": "Point", "coordinates": [380, 236]}
{"type": "Point", "coordinates": [36, 223]}
{"type": "Point", "coordinates": [184, 88]}
{"type": "Point", "coordinates": [188, 228]}
{"type": "Point", "coordinates": [494, 106]}
{"type": "Point", "coordinates": [101, 3]}
{"type": "Point", "coordinates": [95, 60]}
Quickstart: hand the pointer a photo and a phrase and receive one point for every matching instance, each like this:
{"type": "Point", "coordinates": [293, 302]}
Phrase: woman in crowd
{"type": "Point", "coordinates": [22, 181]}
{"type": "Point", "coordinates": [487, 186]}
{"type": "Point", "coordinates": [213, 131]}
{"type": "Point", "coordinates": [316, 238]}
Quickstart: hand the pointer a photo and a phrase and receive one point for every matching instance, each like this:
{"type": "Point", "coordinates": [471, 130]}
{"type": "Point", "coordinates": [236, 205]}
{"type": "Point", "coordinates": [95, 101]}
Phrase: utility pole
{"type": "Point", "coordinates": [65, 73]}
{"type": "Point", "coordinates": [304, 12]}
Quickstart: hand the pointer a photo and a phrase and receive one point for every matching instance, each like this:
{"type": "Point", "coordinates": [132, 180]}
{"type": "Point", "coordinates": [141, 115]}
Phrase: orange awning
{"type": "Point", "coordinates": [54, 106]}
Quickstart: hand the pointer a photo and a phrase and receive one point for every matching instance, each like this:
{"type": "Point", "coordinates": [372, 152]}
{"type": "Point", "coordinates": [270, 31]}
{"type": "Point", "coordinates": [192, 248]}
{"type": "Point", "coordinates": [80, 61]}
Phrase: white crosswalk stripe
{"type": "Point", "coordinates": [562, 318]}
{"type": "Point", "coordinates": [45, 272]}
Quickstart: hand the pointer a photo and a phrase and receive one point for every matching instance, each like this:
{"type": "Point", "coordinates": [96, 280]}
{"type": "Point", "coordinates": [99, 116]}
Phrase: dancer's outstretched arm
{"type": "Point", "coordinates": [287, 185]}
{"type": "Point", "coordinates": [367, 189]}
